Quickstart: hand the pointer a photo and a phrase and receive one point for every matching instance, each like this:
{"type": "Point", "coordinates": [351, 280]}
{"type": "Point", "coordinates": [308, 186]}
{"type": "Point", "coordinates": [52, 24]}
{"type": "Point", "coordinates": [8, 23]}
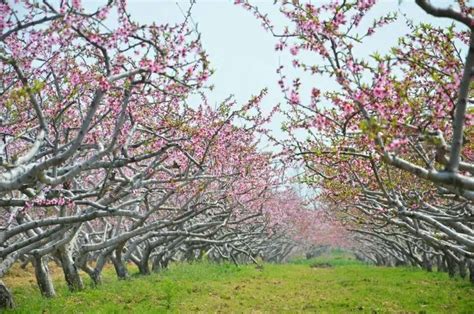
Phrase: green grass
{"type": "Point", "coordinates": [345, 286]}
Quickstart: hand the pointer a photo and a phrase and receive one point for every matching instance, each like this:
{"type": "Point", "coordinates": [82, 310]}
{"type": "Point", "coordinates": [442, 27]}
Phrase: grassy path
{"type": "Point", "coordinates": [345, 287]}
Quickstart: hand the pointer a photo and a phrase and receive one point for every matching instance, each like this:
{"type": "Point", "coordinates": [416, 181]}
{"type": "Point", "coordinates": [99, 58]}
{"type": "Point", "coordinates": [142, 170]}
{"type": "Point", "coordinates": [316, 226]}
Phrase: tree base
{"type": "Point", "coordinates": [6, 298]}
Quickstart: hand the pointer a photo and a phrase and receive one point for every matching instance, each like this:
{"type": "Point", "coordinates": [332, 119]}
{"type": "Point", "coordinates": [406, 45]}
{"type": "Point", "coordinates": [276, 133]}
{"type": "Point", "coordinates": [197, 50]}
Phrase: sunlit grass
{"type": "Point", "coordinates": [344, 286]}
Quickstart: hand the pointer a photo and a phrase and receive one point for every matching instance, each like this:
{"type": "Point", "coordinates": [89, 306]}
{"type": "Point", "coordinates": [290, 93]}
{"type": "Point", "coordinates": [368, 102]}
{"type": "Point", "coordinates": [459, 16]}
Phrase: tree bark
{"type": "Point", "coordinates": [470, 264]}
{"type": "Point", "coordinates": [6, 298]}
{"type": "Point", "coordinates": [451, 266]}
{"type": "Point", "coordinates": [157, 266]}
{"type": "Point", "coordinates": [441, 264]}
{"type": "Point", "coordinates": [427, 264]}
{"type": "Point", "coordinates": [71, 273]}
{"type": "Point", "coordinates": [144, 266]}
{"type": "Point", "coordinates": [43, 278]}
{"type": "Point", "coordinates": [119, 265]}
{"type": "Point", "coordinates": [462, 265]}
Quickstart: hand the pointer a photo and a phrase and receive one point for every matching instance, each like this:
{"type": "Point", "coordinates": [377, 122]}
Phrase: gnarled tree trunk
{"type": "Point", "coordinates": [71, 273]}
{"type": "Point", "coordinates": [144, 266]}
{"type": "Point", "coordinates": [43, 278]}
{"type": "Point", "coordinates": [6, 298]}
{"type": "Point", "coordinates": [119, 264]}
{"type": "Point", "coordinates": [470, 264]}
{"type": "Point", "coordinates": [462, 265]}
{"type": "Point", "coordinates": [427, 264]}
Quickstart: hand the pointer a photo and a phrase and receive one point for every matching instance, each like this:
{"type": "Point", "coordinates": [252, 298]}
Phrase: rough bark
{"type": "Point", "coordinates": [6, 297]}
{"type": "Point", "coordinates": [119, 265]}
{"type": "Point", "coordinates": [427, 264]}
{"type": "Point", "coordinates": [144, 266]}
{"type": "Point", "coordinates": [462, 268]}
{"type": "Point", "coordinates": [451, 267]}
{"type": "Point", "coordinates": [43, 278]}
{"type": "Point", "coordinates": [471, 270]}
{"type": "Point", "coordinates": [156, 266]}
{"type": "Point", "coordinates": [71, 272]}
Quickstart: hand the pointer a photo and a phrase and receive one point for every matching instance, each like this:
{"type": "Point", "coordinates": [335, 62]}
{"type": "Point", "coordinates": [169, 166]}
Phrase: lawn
{"type": "Point", "coordinates": [326, 284]}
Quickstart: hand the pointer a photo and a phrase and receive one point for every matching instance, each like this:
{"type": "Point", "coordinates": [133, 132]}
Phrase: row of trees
{"type": "Point", "coordinates": [392, 144]}
{"type": "Point", "coordinates": [109, 151]}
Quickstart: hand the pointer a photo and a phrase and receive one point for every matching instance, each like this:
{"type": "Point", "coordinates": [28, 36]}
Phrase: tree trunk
{"type": "Point", "coordinates": [470, 264]}
{"type": "Point", "coordinates": [451, 266]}
{"type": "Point", "coordinates": [43, 277]}
{"type": "Point", "coordinates": [462, 268]}
{"type": "Point", "coordinates": [427, 264]}
{"type": "Point", "coordinates": [6, 298]}
{"type": "Point", "coordinates": [119, 265]}
{"type": "Point", "coordinates": [441, 264]}
{"type": "Point", "coordinates": [71, 273]}
{"type": "Point", "coordinates": [120, 269]}
{"type": "Point", "coordinates": [96, 275]}
{"type": "Point", "coordinates": [144, 266]}
{"type": "Point", "coordinates": [156, 266]}
{"type": "Point", "coordinates": [189, 256]}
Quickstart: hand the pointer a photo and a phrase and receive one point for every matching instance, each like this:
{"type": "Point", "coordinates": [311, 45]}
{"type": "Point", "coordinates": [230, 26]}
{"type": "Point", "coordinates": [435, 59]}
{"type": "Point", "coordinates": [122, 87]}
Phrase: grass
{"type": "Point", "coordinates": [342, 285]}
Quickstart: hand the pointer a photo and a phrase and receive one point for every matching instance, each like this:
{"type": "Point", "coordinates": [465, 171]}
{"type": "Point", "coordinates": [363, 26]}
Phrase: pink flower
{"type": "Point", "coordinates": [104, 84]}
{"type": "Point", "coordinates": [279, 46]}
{"type": "Point", "coordinates": [294, 50]}
{"type": "Point", "coordinates": [365, 4]}
{"type": "Point", "coordinates": [75, 78]}
{"type": "Point", "coordinates": [397, 143]}
{"type": "Point", "coordinates": [379, 92]}
{"type": "Point", "coordinates": [155, 67]}
{"type": "Point", "coordinates": [76, 4]}
{"type": "Point", "coordinates": [103, 13]}
{"type": "Point", "coordinates": [354, 67]}
{"type": "Point", "coordinates": [339, 19]}
{"type": "Point", "coordinates": [294, 98]}
{"type": "Point", "coordinates": [203, 77]}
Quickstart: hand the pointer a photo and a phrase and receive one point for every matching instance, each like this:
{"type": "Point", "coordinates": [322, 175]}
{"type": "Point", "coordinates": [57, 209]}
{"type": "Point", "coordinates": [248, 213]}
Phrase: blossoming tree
{"type": "Point", "coordinates": [110, 152]}
{"type": "Point", "coordinates": [391, 143]}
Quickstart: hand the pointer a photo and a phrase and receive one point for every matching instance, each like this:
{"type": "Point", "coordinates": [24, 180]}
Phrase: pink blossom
{"type": "Point", "coordinates": [155, 67]}
{"type": "Point", "coordinates": [279, 46]}
{"type": "Point", "coordinates": [339, 19]}
{"type": "Point", "coordinates": [104, 84]}
{"type": "Point", "coordinates": [76, 4]}
{"type": "Point", "coordinates": [75, 78]}
{"type": "Point", "coordinates": [397, 144]}
{"type": "Point", "coordinates": [379, 92]}
{"type": "Point", "coordinates": [294, 50]}
{"type": "Point", "coordinates": [315, 93]}
{"type": "Point", "coordinates": [103, 13]}
{"type": "Point", "coordinates": [365, 4]}
{"type": "Point", "coordinates": [294, 98]}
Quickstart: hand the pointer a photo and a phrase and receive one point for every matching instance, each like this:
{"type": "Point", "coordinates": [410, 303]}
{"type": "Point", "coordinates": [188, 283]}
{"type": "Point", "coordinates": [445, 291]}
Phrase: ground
{"type": "Point", "coordinates": [331, 284]}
